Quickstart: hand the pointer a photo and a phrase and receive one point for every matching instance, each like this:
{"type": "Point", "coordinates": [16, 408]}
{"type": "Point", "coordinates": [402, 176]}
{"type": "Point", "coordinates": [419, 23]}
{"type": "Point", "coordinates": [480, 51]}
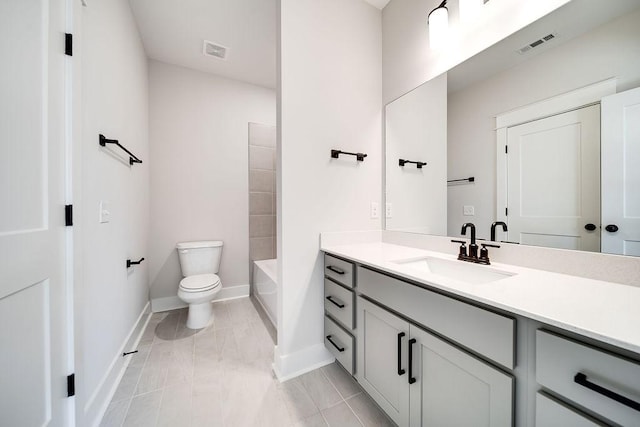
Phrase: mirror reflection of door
{"type": "Point", "coordinates": [553, 181]}
{"type": "Point", "coordinates": [621, 173]}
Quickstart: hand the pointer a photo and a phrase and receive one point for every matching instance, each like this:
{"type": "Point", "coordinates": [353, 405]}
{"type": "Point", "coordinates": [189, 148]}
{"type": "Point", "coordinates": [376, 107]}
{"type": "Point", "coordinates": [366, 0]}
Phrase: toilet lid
{"type": "Point", "coordinates": [199, 282]}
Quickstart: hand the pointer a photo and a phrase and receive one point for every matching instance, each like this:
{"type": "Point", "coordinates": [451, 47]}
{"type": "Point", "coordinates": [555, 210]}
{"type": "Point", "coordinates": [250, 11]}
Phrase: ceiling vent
{"type": "Point", "coordinates": [215, 50]}
{"type": "Point", "coordinates": [537, 43]}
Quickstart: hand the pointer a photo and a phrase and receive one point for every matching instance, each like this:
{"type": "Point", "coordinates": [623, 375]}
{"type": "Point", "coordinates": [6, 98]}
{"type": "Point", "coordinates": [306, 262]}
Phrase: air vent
{"type": "Point", "coordinates": [215, 50]}
{"type": "Point", "coordinates": [537, 43]}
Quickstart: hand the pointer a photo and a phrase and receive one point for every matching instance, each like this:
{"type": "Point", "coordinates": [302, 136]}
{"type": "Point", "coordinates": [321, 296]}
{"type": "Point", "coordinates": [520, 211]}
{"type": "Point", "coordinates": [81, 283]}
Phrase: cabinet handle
{"type": "Point", "coordinates": [330, 298]}
{"type": "Point", "coordinates": [340, 349]}
{"type": "Point", "coordinates": [581, 379]}
{"type": "Point", "coordinates": [412, 341]}
{"type": "Point", "coordinates": [335, 269]}
{"type": "Point", "coordinates": [400, 370]}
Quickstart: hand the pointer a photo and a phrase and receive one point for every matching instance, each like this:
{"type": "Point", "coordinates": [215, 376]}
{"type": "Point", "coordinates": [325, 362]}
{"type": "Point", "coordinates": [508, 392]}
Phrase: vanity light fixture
{"type": "Point", "coordinates": [438, 23]}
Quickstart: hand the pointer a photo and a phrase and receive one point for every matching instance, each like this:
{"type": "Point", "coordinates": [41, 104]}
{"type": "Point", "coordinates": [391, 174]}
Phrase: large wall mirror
{"type": "Point", "coordinates": [540, 131]}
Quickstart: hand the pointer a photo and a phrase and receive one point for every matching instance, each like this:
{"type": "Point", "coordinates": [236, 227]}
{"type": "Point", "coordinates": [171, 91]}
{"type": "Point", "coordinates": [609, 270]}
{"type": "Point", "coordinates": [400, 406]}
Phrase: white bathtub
{"type": "Point", "coordinates": [265, 287]}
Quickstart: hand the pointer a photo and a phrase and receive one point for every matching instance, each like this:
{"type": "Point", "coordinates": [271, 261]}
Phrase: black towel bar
{"type": "Point", "coordinates": [336, 154]}
{"type": "Point", "coordinates": [130, 263]}
{"type": "Point", "coordinates": [419, 165]}
{"type": "Point", "coordinates": [470, 179]}
{"type": "Point", "coordinates": [103, 141]}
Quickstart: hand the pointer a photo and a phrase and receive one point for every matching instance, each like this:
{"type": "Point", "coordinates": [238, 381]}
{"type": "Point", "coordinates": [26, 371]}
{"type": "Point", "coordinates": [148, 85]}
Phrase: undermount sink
{"type": "Point", "coordinates": [457, 270]}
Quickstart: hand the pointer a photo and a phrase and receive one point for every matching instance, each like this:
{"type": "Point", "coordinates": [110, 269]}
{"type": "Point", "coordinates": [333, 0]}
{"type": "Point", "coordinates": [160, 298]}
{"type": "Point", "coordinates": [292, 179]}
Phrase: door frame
{"type": "Point", "coordinates": [565, 102]}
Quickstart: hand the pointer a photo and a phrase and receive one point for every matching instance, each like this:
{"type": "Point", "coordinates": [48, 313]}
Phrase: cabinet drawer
{"type": "Point", "coordinates": [550, 413]}
{"type": "Point", "coordinates": [340, 343]}
{"type": "Point", "coordinates": [339, 270]}
{"type": "Point", "coordinates": [489, 334]}
{"type": "Point", "coordinates": [338, 302]}
{"type": "Point", "coordinates": [559, 361]}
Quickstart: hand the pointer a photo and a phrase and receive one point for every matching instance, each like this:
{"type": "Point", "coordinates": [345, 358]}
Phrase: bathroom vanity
{"type": "Point", "coordinates": [437, 341]}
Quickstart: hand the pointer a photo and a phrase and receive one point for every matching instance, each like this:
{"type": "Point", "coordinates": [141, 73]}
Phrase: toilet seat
{"type": "Point", "coordinates": [200, 283]}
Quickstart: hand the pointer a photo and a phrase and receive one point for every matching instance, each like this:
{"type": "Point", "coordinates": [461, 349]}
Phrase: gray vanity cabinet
{"type": "Point", "coordinates": [422, 380]}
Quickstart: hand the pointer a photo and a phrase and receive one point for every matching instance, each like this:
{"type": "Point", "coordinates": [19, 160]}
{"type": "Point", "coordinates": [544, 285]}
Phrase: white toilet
{"type": "Point", "coordinates": [199, 262]}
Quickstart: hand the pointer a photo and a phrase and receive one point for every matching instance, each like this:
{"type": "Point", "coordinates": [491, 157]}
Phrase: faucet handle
{"type": "Point", "coordinates": [463, 248]}
{"type": "Point", "coordinates": [491, 245]}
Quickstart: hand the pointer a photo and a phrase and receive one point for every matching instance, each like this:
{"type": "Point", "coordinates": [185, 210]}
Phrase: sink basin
{"type": "Point", "coordinates": [458, 270]}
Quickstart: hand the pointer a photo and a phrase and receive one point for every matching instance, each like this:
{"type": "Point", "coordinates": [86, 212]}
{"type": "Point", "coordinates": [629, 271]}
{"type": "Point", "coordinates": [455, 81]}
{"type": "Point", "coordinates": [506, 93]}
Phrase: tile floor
{"type": "Point", "coordinates": [221, 376]}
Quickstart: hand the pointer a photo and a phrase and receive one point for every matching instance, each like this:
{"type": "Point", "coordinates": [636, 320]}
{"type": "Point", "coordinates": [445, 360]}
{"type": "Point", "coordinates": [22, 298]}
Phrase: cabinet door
{"type": "Point", "coordinates": [382, 371]}
{"type": "Point", "coordinates": [453, 388]}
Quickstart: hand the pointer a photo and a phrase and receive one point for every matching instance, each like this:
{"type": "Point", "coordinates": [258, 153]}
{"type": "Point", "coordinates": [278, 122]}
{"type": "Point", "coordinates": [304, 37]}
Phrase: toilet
{"type": "Point", "coordinates": [199, 262]}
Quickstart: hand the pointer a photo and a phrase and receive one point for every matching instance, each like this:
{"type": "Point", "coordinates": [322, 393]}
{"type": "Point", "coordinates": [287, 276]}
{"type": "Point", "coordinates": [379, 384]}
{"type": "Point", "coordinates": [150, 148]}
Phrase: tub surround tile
{"type": "Point", "coordinates": [261, 248]}
{"type": "Point", "coordinates": [261, 226]}
{"type": "Point", "coordinates": [261, 181]}
{"type": "Point", "coordinates": [261, 158]}
{"type": "Point", "coordinates": [262, 135]}
{"type": "Point", "coordinates": [260, 204]}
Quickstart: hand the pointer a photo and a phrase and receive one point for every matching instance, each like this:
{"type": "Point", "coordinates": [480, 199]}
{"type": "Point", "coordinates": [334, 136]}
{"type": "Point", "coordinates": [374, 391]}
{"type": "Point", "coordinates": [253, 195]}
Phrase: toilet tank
{"type": "Point", "coordinates": [199, 257]}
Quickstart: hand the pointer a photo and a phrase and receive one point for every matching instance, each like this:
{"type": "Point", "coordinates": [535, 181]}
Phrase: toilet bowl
{"type": "Point", "coordinates": [199, 262]}
{"type": "Point", "coordinates": [198, 291]}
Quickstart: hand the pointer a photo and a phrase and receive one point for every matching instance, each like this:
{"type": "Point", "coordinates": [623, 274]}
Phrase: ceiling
{"type": "Point", "coordinates": [380, 4]}
{"type": "Point", "coordinates": [173, 31]}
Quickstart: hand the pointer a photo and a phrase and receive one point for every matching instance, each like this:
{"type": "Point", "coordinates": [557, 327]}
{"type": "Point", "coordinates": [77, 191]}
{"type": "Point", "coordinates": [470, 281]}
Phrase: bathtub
{"type": "Point", "coordinates": [265, 287]}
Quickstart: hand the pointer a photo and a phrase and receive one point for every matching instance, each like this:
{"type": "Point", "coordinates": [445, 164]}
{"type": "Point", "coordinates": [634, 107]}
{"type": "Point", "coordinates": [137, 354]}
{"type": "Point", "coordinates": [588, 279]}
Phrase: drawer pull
{"type": "Point", "coordinates": [412, 341]}
{"type": "Point", "coordinates": [330, 299]}
{"type": "Point", "coordinates": [581, 379]}
{"type": "Point", "coordinates": [400, 370]}
{"type": "Point", "coordinates": [340, 349]}
{"type": "Point", "coordinates": [335, 269]}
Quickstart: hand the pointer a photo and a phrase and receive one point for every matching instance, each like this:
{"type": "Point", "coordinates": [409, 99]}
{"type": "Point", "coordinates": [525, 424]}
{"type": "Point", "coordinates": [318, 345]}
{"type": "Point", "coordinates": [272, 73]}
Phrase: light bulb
{"type": "Point", "coordinates": [438, 23]}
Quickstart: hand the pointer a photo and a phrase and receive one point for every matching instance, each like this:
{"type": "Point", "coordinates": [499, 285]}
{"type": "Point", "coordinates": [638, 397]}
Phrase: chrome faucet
{"type": "Point", "coordinates": [493, 229]}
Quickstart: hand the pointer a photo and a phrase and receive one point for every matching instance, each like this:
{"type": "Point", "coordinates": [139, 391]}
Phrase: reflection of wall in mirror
{"type": "Point", "coordinates": [611, 50]}
{"type": "Point", "coordinates": [416, 129]}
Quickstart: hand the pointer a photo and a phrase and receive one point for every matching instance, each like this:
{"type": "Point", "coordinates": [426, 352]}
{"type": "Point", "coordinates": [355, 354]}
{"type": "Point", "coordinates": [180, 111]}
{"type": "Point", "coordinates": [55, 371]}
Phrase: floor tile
{"type": "Point", "coordinates": [323, 393]}
{"type": "Point", "coordinates": [144, 410]}
{"type": "Point", "coordinates": [341, 416]}
{"type": "Point", "coordinates": [222, 376]}
{"type": "Point", "coordinates": [368, 412]}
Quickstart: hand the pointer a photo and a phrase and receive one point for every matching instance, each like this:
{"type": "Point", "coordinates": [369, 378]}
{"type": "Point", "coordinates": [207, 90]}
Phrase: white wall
{"type": "Point", "coordinates": [198, 131]}
{"type": "Point", "coordinates": [109, 299]}
{"type": "Point", "coordinates": [416, 129]}
{"type": "Point", "coordinates": [329, 89]}
{"type": "Point", "coordinates": [407, 59]}
{"type": "Point", "coordinates": [611, 50]}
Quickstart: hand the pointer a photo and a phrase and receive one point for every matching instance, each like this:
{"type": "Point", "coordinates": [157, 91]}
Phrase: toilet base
{"type": "Point", "coordinates": [199, 315]}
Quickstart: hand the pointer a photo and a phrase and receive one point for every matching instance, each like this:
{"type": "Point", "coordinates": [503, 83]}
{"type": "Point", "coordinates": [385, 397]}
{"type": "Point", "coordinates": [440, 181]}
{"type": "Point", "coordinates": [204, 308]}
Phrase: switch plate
{"type": "Point", "coordinates": [105, 213]}
{"type": "Point", "coordinates": [375, 210]}
{"type": "Point", "coordinates": [389, 210]}
{"type": "Point", "coordinates": [468, 210]}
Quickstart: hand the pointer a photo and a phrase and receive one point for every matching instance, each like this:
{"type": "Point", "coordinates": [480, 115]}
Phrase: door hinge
{"type": "Point", "coordinates": [68, 44]}
{"type": "Point", "coordinates": [71, 385]}
{"type": "Point", "coordinates": [506, 149]}
{"type": "Point", "coordinates": [68, 215]}
{"type": "Point", "coordinates": [506, 211]}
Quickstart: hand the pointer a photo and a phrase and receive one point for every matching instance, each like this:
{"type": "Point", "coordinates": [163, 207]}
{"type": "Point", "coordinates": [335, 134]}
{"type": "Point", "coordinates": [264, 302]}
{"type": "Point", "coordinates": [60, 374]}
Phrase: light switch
{"type": "Point", "coordinates": [468, 210]}
{"type": "Point", "coordinates": [105, 213]}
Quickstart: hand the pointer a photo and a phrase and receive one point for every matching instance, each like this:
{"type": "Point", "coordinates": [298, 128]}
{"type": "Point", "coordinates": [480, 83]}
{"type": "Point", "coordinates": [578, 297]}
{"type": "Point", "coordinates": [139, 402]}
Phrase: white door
{"type": "Point", "coordinates": [32, 289]}
{"type": "Point", "coordinates": [553, 181]}
{"type": "Point", "coordinates": [621, 173]}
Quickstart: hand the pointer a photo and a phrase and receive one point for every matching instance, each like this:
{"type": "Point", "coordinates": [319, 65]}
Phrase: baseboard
{"type": "Point", "coordinates": [100, 399]}
{"type": "Point", "coordinates": [173, 302]}
{"type": "Point", "coordinates": [289, 366]}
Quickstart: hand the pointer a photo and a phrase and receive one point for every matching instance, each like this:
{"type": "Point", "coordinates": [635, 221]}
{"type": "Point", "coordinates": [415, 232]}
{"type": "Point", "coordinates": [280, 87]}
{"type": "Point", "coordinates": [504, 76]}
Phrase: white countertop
{"type": "Point", "coordinates": [608, 312]}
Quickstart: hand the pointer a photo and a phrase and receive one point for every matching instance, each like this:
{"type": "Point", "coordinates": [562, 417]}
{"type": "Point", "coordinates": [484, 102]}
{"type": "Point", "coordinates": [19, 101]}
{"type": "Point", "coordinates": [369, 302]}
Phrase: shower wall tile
{"type": "Point", "coordinates": [261, 248]}
{"type": "Point", "coordinates": [261, 226]}
{"type": "Point", "coordinates": [262, 192]}
{"type": "Point", "coordinates": [261, 180]}
{"type": "Point", "coordinates": [262, 135]}
{"type": "Point", "coordinates": [261, 158]}
{"type": "Point", "coordinates": [260, 204]}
